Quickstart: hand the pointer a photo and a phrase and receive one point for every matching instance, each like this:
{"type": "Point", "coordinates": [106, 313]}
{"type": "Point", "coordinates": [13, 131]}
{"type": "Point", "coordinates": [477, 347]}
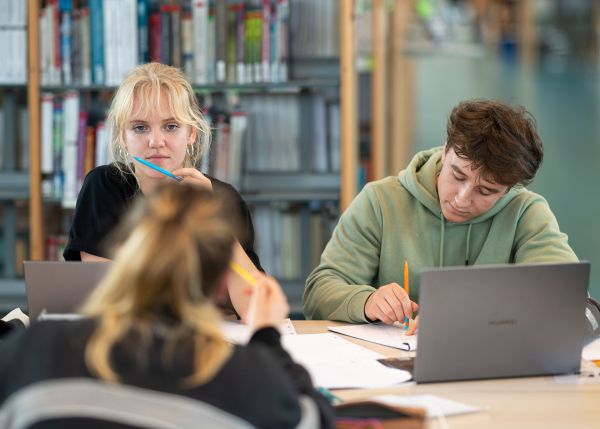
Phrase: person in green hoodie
{"type": "Point", "coordinates": [461, 204]}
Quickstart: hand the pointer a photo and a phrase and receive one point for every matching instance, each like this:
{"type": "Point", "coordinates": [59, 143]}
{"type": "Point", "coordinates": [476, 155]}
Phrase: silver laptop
{"type": "Point", "coordinates": [60, 287]}
{"type": "Point", "coordinates": [501, 321]}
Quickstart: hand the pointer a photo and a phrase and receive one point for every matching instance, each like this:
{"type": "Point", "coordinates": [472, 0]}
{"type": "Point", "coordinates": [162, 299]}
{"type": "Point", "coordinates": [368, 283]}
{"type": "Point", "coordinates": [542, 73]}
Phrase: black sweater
{"type": "Point", "coordinates": [259, 383]}
{"type": "Point", "coordinates": [105, 196]}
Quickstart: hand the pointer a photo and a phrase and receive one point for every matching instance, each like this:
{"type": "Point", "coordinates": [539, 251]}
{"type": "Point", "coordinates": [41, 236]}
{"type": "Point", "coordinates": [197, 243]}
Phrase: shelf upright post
{"type": "Point", "coordinates": [349, 120]}
{"type": "Point", "coordinates": [33, 102]}
{"type": "Point", "coordinates": [378, 93]}
{"type": "Point", "coordinates": [401, 87]}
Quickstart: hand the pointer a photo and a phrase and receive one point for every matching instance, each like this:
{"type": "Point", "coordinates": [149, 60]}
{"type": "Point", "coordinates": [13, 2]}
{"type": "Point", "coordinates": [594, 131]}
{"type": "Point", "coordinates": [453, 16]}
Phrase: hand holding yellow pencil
{"type": "Point", "coordinates": [268, 304]}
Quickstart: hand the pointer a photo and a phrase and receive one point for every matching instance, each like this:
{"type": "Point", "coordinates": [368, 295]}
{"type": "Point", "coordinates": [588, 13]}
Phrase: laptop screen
{"type": "Point", "coordinates": [60, 287]}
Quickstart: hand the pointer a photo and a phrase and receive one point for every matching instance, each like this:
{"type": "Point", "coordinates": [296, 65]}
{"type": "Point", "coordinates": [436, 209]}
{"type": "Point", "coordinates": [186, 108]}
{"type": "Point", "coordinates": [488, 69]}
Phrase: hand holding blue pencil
{"type": "Point", "coordinates": [157, 168]}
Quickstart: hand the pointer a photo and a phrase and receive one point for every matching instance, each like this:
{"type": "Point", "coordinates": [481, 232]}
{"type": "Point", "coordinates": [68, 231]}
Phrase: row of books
{"type": "Point", "coordinates": [14, 153]}
{"type": "Point", "coordinates": [82, 42]}
{"type": "Point", "coordinates": [279, 234]}
{"type": "Point", "coordinates": [263, 133]}
{"type": "Point", "coordinates": [71, 145]}
{"type": "Point", "coordinates": [13, 40]}
{"type": "Point", "coordinates": [315, 29]}
{"type": "Point", "coordinates": [223, 160]}
{"type": "Point", "coordinates": [288, 133]}
{"type": "Point", "coordinates": [281, 230]}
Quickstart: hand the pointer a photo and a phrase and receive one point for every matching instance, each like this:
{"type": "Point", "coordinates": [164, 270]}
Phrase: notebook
{"type": "Point", "coordinates": [60, 287]}
{"type": "Point", "coordinates": [516, 320]}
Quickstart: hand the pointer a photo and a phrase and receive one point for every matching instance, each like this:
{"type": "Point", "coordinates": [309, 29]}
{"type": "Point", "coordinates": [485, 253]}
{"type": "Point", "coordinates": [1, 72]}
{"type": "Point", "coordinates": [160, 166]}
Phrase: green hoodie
{"type": "Point", "coordinates": [399, 218]}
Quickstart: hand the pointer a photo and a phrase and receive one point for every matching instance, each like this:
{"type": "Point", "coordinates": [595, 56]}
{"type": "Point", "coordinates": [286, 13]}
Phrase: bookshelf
{"type": "Point", "coordinates": [309, 197]}
{"type": "Point", "coordinates": [304, 198]}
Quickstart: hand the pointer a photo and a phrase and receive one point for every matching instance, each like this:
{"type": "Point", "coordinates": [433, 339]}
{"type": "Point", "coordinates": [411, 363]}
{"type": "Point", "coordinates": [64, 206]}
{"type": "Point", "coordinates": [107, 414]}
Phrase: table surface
{"type": "Point", "coordinates": [532, 402]}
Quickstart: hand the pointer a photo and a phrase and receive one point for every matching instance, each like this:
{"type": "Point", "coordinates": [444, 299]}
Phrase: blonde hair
{"type": "Point", "coordinates": [149, 82]}
{"type": "Point", "coordinates": [178, 245]}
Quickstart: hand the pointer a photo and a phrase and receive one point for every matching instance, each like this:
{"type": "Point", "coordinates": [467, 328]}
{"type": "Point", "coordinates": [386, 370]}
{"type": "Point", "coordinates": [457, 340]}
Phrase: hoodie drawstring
{"type": "Point", "coordinates": [442, 233]}
{"type": "Point", "coordinates": [442, 240]}
{"type": "Point", "coordinates": [468, 242]}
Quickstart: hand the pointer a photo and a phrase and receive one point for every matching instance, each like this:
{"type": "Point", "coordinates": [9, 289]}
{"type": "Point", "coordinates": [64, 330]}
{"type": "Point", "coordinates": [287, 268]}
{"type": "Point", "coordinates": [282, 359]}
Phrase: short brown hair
{"type": "Point", "coordinates": [500, 140]}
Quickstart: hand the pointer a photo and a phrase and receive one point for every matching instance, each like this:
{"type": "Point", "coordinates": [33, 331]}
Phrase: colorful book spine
{"type": "Point", "coordinates": [66, 40]}
{"type": "Point", "coordinates": [142, 27]}
{"type": "Point", "coordinates": [97, 41]}
{"type": "Point", "coordinates": [154, 29]}
{"type": "Point", "coordinates": [175, 36]}
{"type": "Point", "coordinates": [187, 44]}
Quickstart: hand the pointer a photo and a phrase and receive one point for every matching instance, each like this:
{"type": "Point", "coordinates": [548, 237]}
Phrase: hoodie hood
{"type": "Point", "coordinates": [419, 178]}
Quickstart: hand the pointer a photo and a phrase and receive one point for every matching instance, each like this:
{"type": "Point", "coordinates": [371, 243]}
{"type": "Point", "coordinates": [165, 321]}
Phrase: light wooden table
{"type": "Point", "coordinates": [533, 402]}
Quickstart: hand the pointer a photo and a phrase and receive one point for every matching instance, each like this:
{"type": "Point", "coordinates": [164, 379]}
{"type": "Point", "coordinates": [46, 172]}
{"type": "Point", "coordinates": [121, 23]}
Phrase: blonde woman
{"type": "Point", "coordinates": [154, 116]}
{"type": "Point", "coordinates": [153, 334]}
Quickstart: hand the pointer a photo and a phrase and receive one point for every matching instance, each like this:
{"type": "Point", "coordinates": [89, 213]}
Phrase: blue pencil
{"type": "Point", "coordinates": [157, 168]}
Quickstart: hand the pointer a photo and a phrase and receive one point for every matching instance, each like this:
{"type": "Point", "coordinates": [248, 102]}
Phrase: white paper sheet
{"type": "Point", "coordinates": [434, 406]}
{"type": "Point", "coordinates": [238, 333]}
{"type": "Point", "coordinates": [591, 351]}
{"type": "Point", "coordinates": [336, 363]}
{"type": "Point", "coordinates": [387, 335]}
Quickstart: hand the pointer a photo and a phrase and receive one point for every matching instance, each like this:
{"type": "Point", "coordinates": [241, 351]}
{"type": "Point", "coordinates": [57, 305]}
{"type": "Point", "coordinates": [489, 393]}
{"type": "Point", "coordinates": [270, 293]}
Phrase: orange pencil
{"type": "Point", "coordinates": [407, 290]}
{"type": "Point", "coordinates": [406, 286]}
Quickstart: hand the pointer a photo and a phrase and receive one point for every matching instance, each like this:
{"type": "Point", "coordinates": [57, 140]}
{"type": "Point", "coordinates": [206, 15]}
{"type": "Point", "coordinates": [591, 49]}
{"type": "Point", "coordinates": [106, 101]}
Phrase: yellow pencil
{"type": "Point", "coordinates": [243, 273]}
{"type": "Point", "coordinates": [406, 286]}
{"type": "Point", "coordinates": [407, 290]}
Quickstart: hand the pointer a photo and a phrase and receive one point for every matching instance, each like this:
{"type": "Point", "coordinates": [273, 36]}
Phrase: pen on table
{"type": "Point", "coordinates": [157, 168]}
{"type": "Point", "coordinates": [243, 273]}
{"type": "Point", "coordinates": [406, 289]}
{"type": "Point", "coordinates": [333, 400]}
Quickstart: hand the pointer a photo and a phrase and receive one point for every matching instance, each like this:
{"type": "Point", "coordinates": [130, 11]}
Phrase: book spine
{"type": "Point", "coordinates": [165, 34]}
{"type": "Point", "coordinates": [102, 157]}
{"type": "Point", "coordinates": [57, 148]}
{"type": "Point", "coordinates": [221, 40]}
{"type": "Point", "coordinates": [90, 149]}
{"type": "Point", "coordinates": [46, 133]}
{"type": "Point", "coordinates": [142, 29]}
{"type": "Point", "coordinates": [154, 28]}
{"type": "Point", "coordinates": [66, 40]}
{"type": "Point", "coordinates": [69, 147]}
{"type": "Point", "coordinates": [85, 46]}
{"type": "Point", "coordinates": [283, 18]}
{"type": "Point", "coordinates": [97, 41]}
{"type": "Point", "coordinates": [200, 41]}
{"type": "Point", "coordinates": [231, 43]}
{"type": "Point", "coordinates": [176, 36]}
{"type": "Point", "coordinates": [265, 42]}
{"type": "Point", "coordinates": [240, 34]}
{"type": "Point", "coordinates": [187, 45]}
{"type": "Point", "coordinates": [81, 147]}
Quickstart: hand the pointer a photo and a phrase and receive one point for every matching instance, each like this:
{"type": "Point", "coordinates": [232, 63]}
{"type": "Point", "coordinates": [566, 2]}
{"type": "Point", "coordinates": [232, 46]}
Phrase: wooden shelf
{"type": "Point", "coordinates": [265, 87]}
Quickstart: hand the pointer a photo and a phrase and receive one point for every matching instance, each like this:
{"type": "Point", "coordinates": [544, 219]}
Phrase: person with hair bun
{"type": "Point", "coordinates": [152, 335]}
{"type": "Point", "coordinates": [154, 115]}
{"type": "Point", "coordinates": [464, 203]}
